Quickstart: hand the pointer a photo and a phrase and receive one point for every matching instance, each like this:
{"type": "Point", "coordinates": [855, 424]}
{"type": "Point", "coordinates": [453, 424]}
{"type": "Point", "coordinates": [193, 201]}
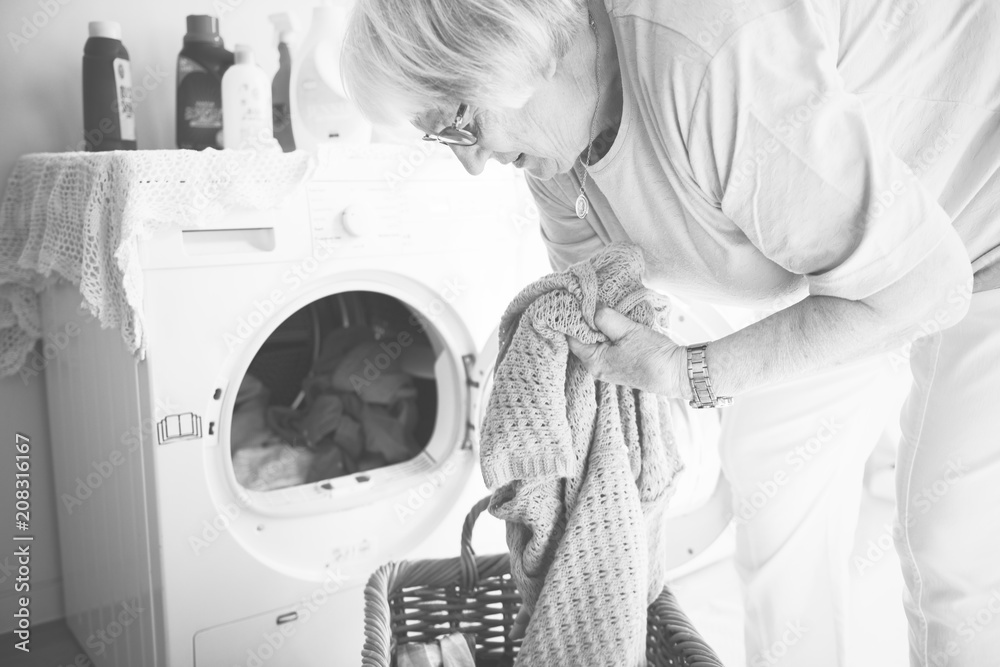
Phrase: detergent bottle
{"type": "Point", "coordinates": [200, 66]}
{"type": "Point", "coordinates": [108, 115]}
{"type": "Point", "coordinates": [320, 109]}
{"type": "Point", "coordinates": [282, 83]}
{"type": "Point", "coordinates": [246, 103]}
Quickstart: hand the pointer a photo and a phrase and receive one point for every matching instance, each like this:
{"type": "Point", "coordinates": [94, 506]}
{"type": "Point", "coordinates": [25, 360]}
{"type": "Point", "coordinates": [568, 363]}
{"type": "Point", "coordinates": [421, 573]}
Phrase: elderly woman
{"type": "Point", "coordinates": [836, 162]}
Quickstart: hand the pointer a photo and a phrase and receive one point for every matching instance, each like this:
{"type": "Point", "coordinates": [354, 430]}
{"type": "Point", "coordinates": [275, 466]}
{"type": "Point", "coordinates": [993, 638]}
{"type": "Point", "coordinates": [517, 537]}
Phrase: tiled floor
{"type": "Point", "coordinates": [710, 596]}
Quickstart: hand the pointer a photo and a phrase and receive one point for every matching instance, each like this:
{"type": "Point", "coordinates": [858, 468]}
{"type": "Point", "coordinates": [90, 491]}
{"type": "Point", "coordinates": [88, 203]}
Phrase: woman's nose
{"type": "Point", "coordinates": [473, 158]}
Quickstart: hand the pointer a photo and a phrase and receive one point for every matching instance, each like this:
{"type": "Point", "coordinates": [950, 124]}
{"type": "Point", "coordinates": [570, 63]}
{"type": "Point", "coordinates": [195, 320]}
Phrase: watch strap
{"type": "Point", "coordinates": [703, 396]}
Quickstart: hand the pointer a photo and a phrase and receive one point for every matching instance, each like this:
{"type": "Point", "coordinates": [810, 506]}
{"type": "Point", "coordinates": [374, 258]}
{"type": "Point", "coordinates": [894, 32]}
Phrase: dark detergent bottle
{"type": "Point", "coordinates": [200, 66]}
{"type": "Point", "coordinates": [108, 115]}
{"type": "Point", "coordinates": [281, 85]}
{"type": "Point", "coordinates": [282, 115]}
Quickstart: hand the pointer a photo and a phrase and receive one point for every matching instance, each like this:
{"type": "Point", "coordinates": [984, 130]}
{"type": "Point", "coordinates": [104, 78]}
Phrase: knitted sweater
{"type": "Point", "coordinates": [581, 470]}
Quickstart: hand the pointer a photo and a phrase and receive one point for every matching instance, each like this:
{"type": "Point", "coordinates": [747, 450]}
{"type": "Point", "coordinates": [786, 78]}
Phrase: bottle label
{"type": "Point", "coordinates": [203, 114]}
{"type": "Point", "coordinates": [202, 109]}
{"type": "Point", "coordinates": [186, 66]}
{"type": "Point", "coordinates": [281, 116]}
{"type": "Point", "coordinates": [123, 88]}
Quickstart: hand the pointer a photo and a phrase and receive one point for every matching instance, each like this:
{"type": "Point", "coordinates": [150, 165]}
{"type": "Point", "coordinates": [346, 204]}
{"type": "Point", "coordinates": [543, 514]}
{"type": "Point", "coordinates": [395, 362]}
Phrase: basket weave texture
{"type": "Point", "coordinates": [419, 601]}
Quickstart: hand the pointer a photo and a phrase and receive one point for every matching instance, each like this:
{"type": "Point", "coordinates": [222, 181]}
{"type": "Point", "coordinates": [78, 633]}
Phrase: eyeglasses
{"type": "Point", "coordinates": [453, 135]}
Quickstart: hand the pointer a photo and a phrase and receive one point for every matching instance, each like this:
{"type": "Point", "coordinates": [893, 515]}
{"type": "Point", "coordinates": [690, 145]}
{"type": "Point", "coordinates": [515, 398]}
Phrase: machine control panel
{"type": "Point", "coordinates": [359, 217]}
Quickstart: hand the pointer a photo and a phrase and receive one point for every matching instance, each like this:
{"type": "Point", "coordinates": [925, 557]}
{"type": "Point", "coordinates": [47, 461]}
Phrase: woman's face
{"type": "Point", "coordinates": [545, 136]}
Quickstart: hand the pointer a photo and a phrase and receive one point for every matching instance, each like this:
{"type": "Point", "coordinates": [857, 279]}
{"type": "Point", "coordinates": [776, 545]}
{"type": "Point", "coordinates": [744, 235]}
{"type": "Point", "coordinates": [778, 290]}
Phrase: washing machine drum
{"type": "Point", "coordinates": [348, 438]}
{"type": "Point", "coordinates": [344, 386]}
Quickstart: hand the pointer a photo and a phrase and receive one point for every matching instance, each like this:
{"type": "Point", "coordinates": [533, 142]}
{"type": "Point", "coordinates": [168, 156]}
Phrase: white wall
{"type": "Point", "coordinates": [42, 110]}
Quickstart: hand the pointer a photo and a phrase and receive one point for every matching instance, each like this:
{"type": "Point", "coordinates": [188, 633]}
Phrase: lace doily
{"type": "Point", "coordinates": [79, 216]}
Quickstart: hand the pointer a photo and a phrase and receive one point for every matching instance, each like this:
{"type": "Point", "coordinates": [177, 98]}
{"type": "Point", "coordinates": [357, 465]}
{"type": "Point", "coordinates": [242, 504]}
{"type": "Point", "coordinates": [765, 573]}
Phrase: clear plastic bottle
{"type": "Point", "coordinates": [321, 111]}
{"type": "Point", "coordinates": [108, 114]}
{"type": "Point", "coordinates": [246, 103]}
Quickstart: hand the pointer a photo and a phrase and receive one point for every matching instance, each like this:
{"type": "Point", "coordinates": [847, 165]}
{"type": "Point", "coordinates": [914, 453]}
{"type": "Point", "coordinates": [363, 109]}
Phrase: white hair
{"type": "Point", "coordinates": [402, 58]}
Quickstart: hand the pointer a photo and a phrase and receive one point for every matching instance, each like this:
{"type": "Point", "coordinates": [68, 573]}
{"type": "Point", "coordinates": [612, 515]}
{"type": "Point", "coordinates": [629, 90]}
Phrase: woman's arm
{"type": "Point", "coordinates": [815, 333]}
{"type": "Point", "coordinates": [822, 331]}
{"type": "Point", "coordinates": [784, 149]}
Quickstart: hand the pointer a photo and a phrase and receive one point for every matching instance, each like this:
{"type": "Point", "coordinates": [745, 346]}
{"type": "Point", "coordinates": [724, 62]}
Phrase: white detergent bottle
{"type": "Point", "coordinates": [246, 104]}
{"type": "Point", "coordinates": [321, 112]}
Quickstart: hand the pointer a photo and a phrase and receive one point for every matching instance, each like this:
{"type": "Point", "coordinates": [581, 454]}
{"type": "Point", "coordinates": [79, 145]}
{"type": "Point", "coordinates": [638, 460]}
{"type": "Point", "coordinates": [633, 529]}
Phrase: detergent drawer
{"type": "Point", "coordinates": [257, 237]}
{"type": "Point", "coordinates": [326, 626]}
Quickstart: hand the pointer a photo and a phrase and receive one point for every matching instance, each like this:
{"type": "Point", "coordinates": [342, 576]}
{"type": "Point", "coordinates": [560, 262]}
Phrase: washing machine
{"type": "Point", "coordinates": [209, 514]}
{"type": "Point", "coordinates": [176, 548]}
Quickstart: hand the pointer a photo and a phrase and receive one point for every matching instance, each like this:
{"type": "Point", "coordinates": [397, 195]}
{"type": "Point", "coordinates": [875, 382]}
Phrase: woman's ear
{"type": "Point", "coordinates": [546, 73]}
{"type": "Point", "coordinates": [549, 72]}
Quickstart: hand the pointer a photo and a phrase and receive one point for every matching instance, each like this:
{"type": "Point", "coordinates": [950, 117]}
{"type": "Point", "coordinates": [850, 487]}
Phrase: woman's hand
{"type": "Point", "coordinates": [635, 356]}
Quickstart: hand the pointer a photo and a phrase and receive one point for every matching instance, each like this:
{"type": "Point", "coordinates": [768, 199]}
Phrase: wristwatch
{"type": "Point", "coordinates": [701, 383]}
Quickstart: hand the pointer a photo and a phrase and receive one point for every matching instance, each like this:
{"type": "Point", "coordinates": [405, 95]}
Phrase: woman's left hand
{"type": "Point", "coordinates": [635, 356]}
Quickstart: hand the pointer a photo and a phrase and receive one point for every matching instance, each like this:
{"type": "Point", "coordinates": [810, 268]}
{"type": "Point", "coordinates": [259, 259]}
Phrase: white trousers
{"type": "Point", "coordinates": [948, 493]}
{"type": "Point", "coordinates": [794, 454]}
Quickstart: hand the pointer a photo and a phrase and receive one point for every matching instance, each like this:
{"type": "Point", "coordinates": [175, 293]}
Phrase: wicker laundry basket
{"type": "Point", "coordinates": [422, 600]}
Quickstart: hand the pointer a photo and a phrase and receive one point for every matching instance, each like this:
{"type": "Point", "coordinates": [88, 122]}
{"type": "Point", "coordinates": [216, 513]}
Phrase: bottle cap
{"type": "Point", "coordinates": [109, 29]}
{"type": "Point", "coordinates": [284, 26]}
{"type": "Point", "coordinates": [243, 54]}
{"type": "Point", "coordinates": [202, 28]}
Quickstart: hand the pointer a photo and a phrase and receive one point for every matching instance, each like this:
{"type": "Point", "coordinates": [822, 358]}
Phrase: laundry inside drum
{"type": "Point", "coordinates": [343, 386]}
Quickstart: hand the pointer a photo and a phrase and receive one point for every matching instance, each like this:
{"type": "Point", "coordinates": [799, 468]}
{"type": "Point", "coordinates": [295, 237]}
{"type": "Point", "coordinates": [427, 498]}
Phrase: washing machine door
{"type": "Point", "coordinates": [355, 521]}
